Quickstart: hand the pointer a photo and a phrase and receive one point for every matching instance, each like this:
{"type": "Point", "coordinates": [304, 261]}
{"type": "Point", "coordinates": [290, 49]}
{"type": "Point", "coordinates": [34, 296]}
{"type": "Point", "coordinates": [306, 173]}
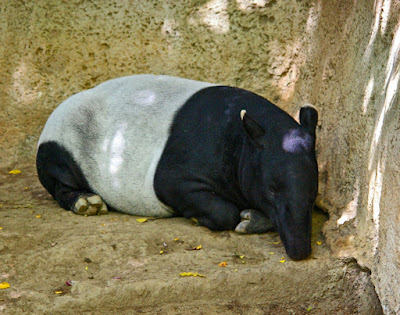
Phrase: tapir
{"type": "Point", "coordinates": [162, 146]}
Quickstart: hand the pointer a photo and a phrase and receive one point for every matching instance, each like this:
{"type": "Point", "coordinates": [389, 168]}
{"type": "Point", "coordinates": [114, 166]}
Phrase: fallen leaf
{"type": "Point", "coordinates": [26, 188]}
{"type": "Point", "coordinates": [309, 309]}
{"type": "Point", "coordinates": [235, 269]}
{"type": "Point", "coordinates": [271, 253]}
{"type": "Point", "coordinates": [191, 274]}
{"type": "Point", "coordinates": [161, 252]}
{"type": "Point", "coordinates": [274, 243]}
{"type": "Point", "coordinates": [141, 220]}
{"type": "Point", "coordinates": [4, 285]}
{"type": "Point", "coordinates": [319, 243]}
{"type": "Point", "coordinates": [38, 216]}
{"type": "Point", "coordinates": [58, 292]}
{"type": "Point", "coordinates": [1, 228]}
{"type": "Point", "coordinates": [282, 260]}
{"type": "Point", "coordinates": [176, 239]}
{"type": "Point", "coordinates": [239, 255]}
{"type": "Point", "coordinates": [195, 248]}
{"type": "Point", "coordinates": [14, 172]}
{"type": "Point", "coordinates": [70, 283]}
{"type": "Point", "coordinates": [86, 268]}
{"type": "Point", "coordinates": [223, 264]}
{"type": "Point", "coordinates": [28, 205]}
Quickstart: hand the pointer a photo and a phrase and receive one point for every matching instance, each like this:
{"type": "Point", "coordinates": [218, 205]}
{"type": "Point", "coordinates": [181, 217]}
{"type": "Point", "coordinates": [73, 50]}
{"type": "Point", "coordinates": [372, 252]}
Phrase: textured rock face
{"type": "Point", "coordinates": [341, 56]}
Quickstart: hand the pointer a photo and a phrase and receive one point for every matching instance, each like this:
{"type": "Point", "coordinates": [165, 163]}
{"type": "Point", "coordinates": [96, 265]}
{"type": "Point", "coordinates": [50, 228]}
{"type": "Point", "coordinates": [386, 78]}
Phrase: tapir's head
{"type": "Point", "coordinates": [286, 177]}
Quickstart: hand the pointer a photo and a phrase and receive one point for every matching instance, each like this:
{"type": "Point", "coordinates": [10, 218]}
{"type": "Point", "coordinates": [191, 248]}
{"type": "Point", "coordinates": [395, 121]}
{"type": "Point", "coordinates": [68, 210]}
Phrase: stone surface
{"type": "Point", "coordinates": [341, 56]}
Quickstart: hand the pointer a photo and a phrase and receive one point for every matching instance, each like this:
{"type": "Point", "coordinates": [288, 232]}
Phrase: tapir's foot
{"type": "Point", "coordinates": [90, 205]}
{"type": "Point", "coordinates": [254, 221]}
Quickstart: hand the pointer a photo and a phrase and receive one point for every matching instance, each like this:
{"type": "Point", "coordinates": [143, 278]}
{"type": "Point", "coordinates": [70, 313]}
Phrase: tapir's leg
{"type": "Point", "coordinates": [254, 221]}
{"type": "Point", "coordinates": [210, 210]}
{"type": "Point", "coordinates": [64, 180]}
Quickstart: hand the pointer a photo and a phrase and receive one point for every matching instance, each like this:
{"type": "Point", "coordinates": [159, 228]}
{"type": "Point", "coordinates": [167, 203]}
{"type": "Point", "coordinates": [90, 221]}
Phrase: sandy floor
{"type": "Point", "coordinates": [114, 263]}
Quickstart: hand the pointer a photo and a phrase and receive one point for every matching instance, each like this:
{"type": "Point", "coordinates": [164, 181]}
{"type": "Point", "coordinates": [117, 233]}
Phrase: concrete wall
{"type": "Point", "coordinates": [341, 55]}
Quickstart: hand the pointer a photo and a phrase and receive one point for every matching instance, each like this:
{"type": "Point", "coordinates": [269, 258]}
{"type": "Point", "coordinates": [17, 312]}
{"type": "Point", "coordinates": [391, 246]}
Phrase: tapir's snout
{"type": "Point", "coordinates": [299, 252]}
{"type": "Point", "coordinates": [297, 242]}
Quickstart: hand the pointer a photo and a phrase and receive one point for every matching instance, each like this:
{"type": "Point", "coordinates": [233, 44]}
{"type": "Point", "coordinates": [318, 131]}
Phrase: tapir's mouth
{"type": "Point", "coordinates": [298, 253]}
{"type": "Point", "coordinates": [297, 248]}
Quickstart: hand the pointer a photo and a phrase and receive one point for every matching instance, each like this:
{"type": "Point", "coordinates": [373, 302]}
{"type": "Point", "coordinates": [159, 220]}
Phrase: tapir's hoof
{"type": "Point", "coordinates": [241, 227]}
{"type": "Point", "coordinates": [90, 205]}
{"type": "Point", "coordinates": [253, 221]}
{"type": "Point", "coordinates": [246, 214]}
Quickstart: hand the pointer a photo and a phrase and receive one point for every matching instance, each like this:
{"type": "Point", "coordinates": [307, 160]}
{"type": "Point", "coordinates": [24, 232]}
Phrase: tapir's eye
{"type": "Point", "coordinates": [272, 190]}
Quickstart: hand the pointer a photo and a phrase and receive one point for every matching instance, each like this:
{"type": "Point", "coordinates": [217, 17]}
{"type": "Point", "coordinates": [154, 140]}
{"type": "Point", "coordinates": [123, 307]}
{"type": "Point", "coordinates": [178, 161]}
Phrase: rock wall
{"type": "Point", "coordinates": [340, 55]}
{"type": "Point", "coordinates": [352, 74]}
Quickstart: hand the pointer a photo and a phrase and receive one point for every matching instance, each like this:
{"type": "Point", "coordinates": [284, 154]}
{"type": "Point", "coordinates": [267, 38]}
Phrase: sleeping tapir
{"type": "Point", "coordinates": [163, 146]}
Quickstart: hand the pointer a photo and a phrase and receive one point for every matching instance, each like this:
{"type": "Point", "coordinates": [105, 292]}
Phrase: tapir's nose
{"type": "Point", "coordinates": [299, 251]}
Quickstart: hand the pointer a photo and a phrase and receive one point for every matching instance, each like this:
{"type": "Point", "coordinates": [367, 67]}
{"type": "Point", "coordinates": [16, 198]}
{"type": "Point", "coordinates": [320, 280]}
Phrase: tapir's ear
{"type": "Point", "coordinates": [309, 117]}
{"type": "Point", "coordinates": [252, 128]}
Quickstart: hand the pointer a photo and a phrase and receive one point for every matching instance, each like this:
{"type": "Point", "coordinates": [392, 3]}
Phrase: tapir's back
{"type": "Point", "coordinates": [116, 133]}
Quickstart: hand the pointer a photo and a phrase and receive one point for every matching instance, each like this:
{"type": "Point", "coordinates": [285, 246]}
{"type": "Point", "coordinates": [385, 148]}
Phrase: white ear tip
{"type": "Point", "coordinates": [242, 113]}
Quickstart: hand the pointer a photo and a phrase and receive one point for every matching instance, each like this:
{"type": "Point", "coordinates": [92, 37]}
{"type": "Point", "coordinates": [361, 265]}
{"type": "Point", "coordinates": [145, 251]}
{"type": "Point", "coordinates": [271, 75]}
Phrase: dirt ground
{"type": "Point", "coordinates": [58, 262]}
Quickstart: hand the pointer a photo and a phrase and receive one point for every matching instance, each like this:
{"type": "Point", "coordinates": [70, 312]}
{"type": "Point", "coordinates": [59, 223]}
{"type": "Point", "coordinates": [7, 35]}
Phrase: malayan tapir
{"type": "Point", "coordinates": [155, 145]}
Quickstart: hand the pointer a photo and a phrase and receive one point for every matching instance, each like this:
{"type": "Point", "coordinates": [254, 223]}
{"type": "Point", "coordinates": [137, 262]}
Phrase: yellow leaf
{"type": "Point", "coordinates": [319, 243]}
{"type": "Point", "coordinates": [38, 216]}
{"type": "Point", "coordinates": [1, 228]}
{"type": "Point", "coordinates": [235, 269]}
{"type": "Point", "coordinates": [239, 256]}
{"type": "Point", "coordinates": [274, 243]}
{"type": "Point", "coordinates": [191, 274]}
{"type": "Point", "coordinates": [199, 247]}
{"type": "Point", "coordinates": [161, 252]}
{"type": "Point", "coordinates": [271, 253]}
{"type": "Point", "coordinates": [103, 224]}
{"type": "Point", "coordinates": [4, 285]}
{"type": "Point", "coordinates": [176, 239]}
{"type": "Point", "coordinates": [58, 292]}
{"type": "Point", "coordinates": [26, 188]}
{"type": "Point", "coordinates": [282, 260]}
{"type": "Point", "coordinates": [86, 268]}
{"type": "Point", "coordinates": [14, 172]}
{"type": "Point", "coordinates": [223, 264]}
{"type": "Point", "coordinates": [141, 220]}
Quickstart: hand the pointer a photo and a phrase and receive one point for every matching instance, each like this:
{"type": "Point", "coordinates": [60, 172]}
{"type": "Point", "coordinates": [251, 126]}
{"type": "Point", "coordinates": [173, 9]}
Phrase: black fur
{"type": "Point", "coordinates": [60, 174]}
{"type": "Point", "coordinates": [200, 172]}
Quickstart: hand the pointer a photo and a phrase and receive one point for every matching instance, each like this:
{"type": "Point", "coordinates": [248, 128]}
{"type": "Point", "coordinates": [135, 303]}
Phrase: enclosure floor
{"type": "Point", "coordinates": [114, 263]}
